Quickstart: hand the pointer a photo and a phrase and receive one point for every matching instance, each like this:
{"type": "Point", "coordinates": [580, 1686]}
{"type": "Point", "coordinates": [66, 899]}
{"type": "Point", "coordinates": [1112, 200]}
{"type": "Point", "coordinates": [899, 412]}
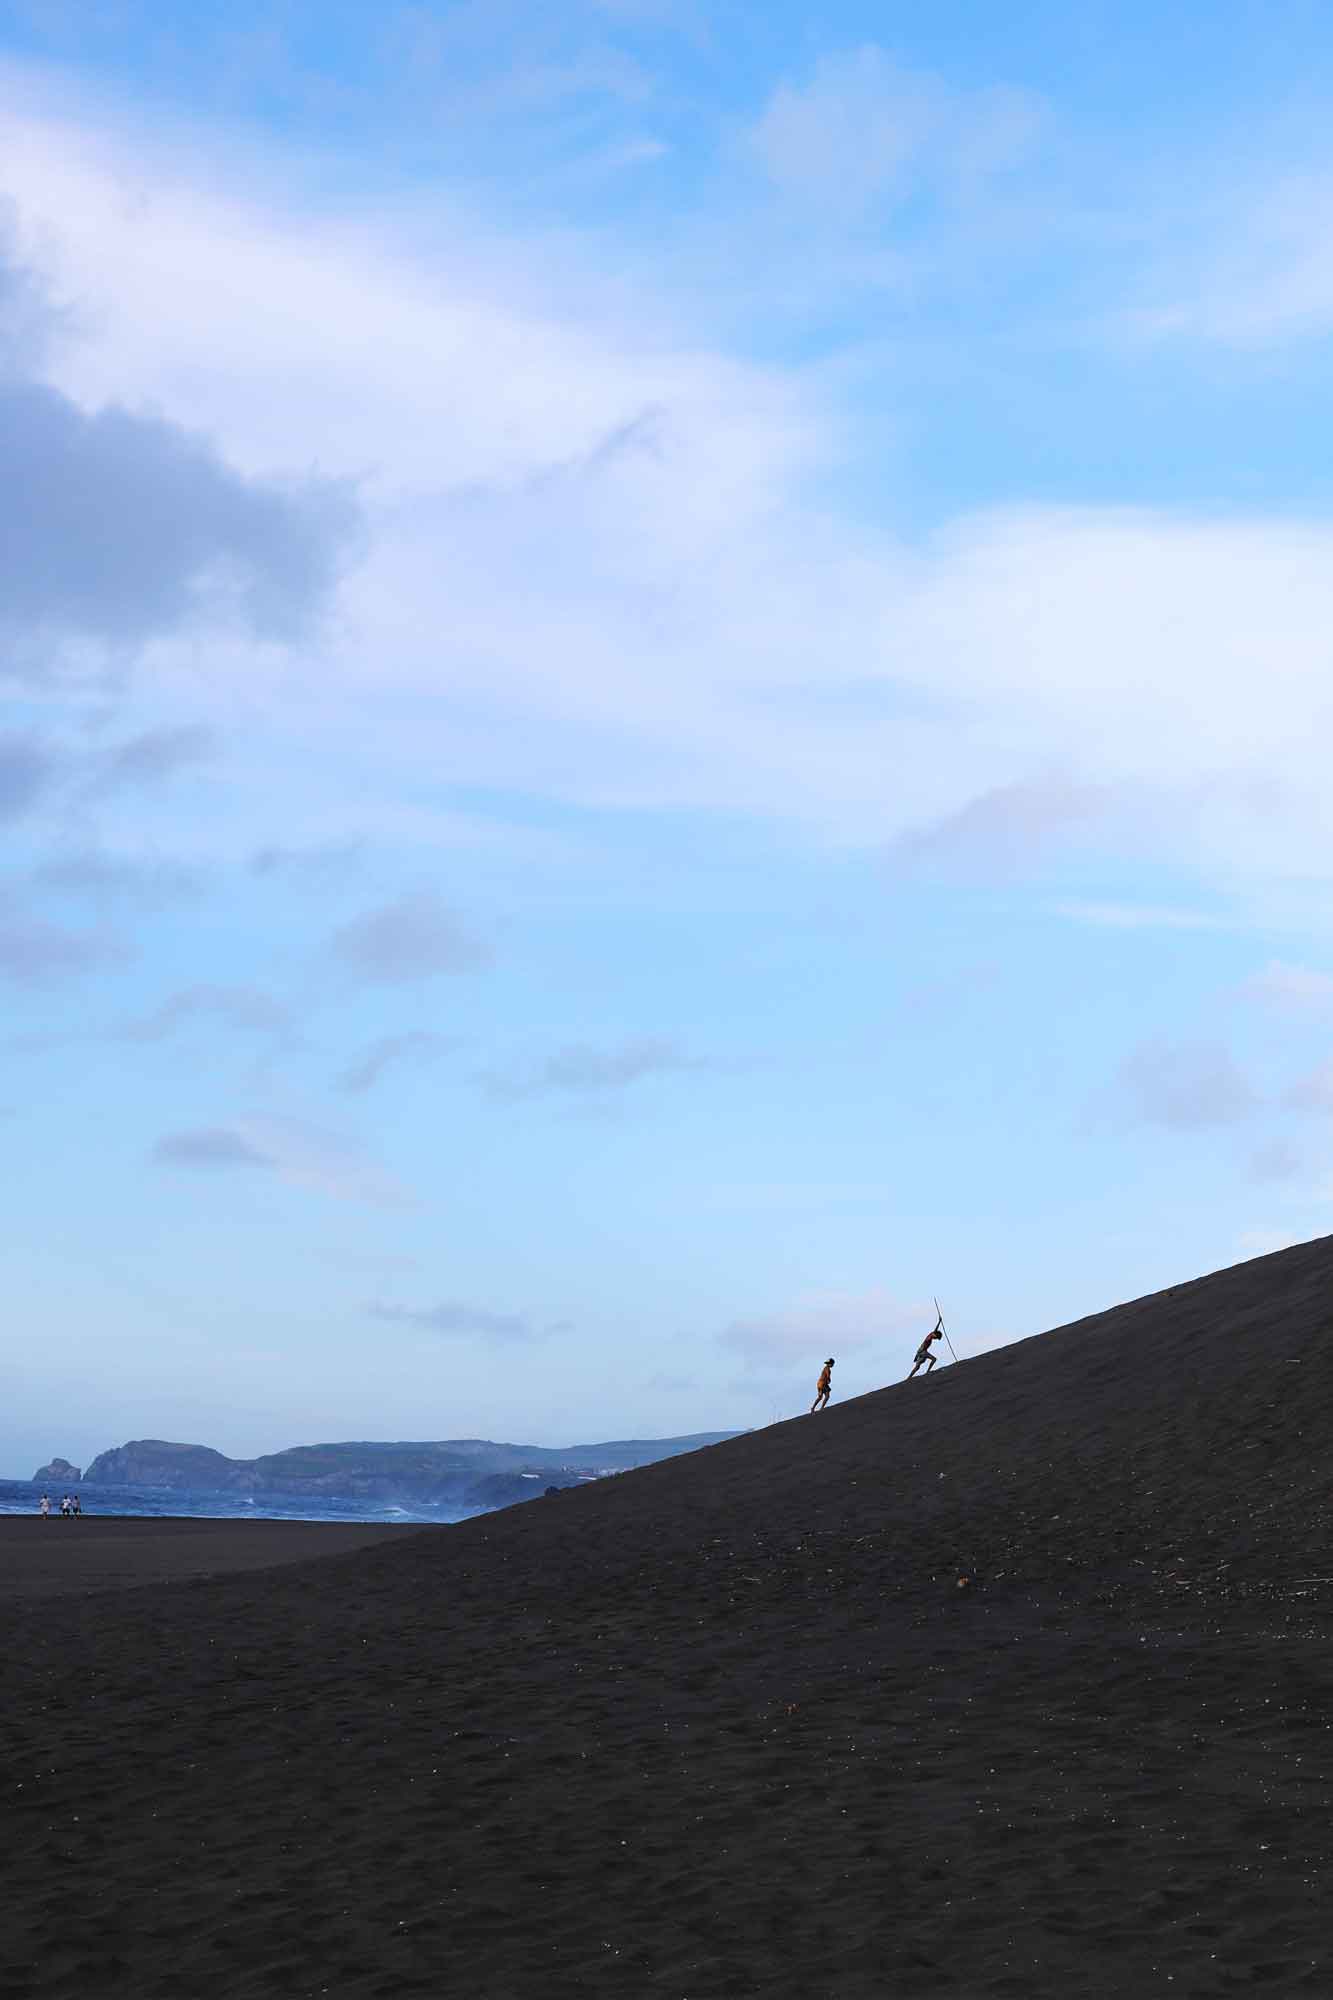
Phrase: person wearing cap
{"type": "Point", "coordinates": [824, 1387]}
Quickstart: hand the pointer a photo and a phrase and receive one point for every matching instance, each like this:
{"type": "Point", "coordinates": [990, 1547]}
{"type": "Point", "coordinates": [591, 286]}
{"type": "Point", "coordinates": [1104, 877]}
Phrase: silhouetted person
{"type": "Point", "coordinates": [924, 1358]}
{"type": "Point", "coordinates": [823, 1387]}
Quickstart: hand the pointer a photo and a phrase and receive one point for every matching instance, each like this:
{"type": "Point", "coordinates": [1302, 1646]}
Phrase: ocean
{"type": "Point", "coordinates": [21, 1496]}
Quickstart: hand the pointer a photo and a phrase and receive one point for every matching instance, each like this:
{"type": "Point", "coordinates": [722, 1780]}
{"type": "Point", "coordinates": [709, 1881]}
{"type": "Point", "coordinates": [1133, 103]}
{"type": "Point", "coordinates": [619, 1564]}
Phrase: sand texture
{"type": "Point", "coordinates": [734, 1723]}
{"type": "Point", "coordinates": [101, 1553]}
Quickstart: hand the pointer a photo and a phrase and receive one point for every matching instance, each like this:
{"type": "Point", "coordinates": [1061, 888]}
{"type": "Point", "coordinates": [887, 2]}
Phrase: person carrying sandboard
{"type": "Point", "coordinates": [924, 1358]}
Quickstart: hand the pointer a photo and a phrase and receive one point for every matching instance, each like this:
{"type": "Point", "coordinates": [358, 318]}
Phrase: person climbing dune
{"type": "Point", "coordinates": [924, 1357]}
{"type": "Point", "coordinates": [823, 1387]}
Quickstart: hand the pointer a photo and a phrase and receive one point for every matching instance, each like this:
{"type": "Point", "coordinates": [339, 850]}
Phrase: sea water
{"type": "Point", "coordinates": [23, 1496]}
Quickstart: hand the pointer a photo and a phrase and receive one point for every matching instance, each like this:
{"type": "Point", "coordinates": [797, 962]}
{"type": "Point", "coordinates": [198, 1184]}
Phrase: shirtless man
{"type": "Point", "coordinates": [823, 1387]}
{"type": "Point", "coordinates": [924, 1358]}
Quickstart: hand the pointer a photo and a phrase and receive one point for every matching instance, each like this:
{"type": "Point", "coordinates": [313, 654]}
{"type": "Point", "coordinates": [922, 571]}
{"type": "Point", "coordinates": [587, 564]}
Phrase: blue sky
{"type": "Point", "coordinates": [666, 685]}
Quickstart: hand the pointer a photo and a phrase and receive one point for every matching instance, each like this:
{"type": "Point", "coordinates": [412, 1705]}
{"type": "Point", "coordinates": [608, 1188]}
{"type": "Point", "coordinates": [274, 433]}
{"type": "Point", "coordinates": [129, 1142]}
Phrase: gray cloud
{"type": "Point", "coordinates": [208, 1146]}
{"type": "Point", "coordinates": [417, 1047]}
{"type": "Point", "coordinates": [33, 950]}
{"type": "Point", "coordinates": [1005, 828]}
{"type": "Point", "coordinates": [1313, 1092]}
{"type": "Point", "coordinates": [579, 1070]}
{"type": "Point", "coordinates": [413, 939]}
{"type": "Point", "coordinates": [454, 1317]}
{"type": "Point", "coordinates": [25, 769]}
{"type": "Point", "coordinates": [1279, 1160]}
{"type": "Point", "coordinates": [154, 756]}
{"type": "Point", "coordinates": [1292, 989]}
{"type": "Point", "coordinates": [1185, 1086]}
{"type": "Point", "coordinates": [119, 526]}
{"type": "Point", "coordinates": [102, 878]}
{"type": "Point", "coordinates": [26, 313]}
{"type": "Point", "coordinates": [234, 1006]}
{"type": "Point", "coordinates": [331, 860]}
{"type": "Point", "coordinates": [302, 1155]}
{"type": "Point", "coordinates": [28, 768]}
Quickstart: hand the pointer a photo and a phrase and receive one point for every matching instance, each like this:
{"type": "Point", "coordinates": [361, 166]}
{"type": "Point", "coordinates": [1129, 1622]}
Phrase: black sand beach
{"type": "Point", "coordinates": [1016, 1680]}
{"type": "Point", "coordinates": [57, 1558]}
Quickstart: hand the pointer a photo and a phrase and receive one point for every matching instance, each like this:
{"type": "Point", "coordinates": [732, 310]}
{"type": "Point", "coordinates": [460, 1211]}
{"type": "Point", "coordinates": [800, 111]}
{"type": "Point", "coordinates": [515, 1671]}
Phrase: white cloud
{"type": "Point", "coordinates": [1292, 989]}
{"type": "Point", "coordinates": [1007, 826]}
{"type": "Point", "coordinates": [595, 551]}
{"type": "Point", "coordinates": [850, 131]}
{"type": "Point", "coordinates": [1171, 673]}
{"type": "Point", "coordinates": [1185, 1086]}
{"type": "Point", "coordinates": [302, 1154]}
{"type": "Point", "coordinates": [1314, 1091]}
{"type": "Point", "coordinates": [232, 308]}
{"type": "Point", "coordinates": [866, 129]}
{"type": "Point", "coordinates": [311, 1156]}
{"type": "Point", "coordinates": [825, 1323]}
{"type": "Point", "coordinates": [1251, 271]}
{"type": "Point", "coordinates": [579, 1070]}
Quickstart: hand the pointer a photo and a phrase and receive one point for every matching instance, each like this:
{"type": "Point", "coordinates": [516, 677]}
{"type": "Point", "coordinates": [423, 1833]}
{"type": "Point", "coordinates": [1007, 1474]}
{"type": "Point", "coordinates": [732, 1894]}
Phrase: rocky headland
{"type": "Point", "coordinates": [57, 1472]}
{"type": "Point", "coordinates": [469, 1475]}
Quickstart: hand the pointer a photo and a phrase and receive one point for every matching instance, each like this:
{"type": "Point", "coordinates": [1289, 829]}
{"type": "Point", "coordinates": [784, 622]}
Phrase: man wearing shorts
{"type": "Point", "coordinates": [824, 1387]}
{"type": "Point", "coordinates": [924, 1358]}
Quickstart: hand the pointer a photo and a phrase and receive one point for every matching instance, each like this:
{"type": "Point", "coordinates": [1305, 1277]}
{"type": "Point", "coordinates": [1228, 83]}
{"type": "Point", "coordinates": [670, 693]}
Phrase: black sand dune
{"type": "Point", "coordinates": [1012, 1681]}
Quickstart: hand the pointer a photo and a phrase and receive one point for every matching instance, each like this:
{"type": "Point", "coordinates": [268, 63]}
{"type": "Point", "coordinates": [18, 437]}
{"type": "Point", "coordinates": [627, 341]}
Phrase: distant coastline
{"type": "Point", "coordinates": [22, 1497]}
{"type": "Point", "coordinates": [443, 1480]}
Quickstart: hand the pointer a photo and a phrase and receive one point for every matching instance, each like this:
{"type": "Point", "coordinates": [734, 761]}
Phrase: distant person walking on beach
{"type": "Point", "coordinates": [45, 1507]}
{"type": "Point", "coordinates": [924, 1358]}
{"type": "Point", "coordinates": [823, 1387]}
{"type": "Point", "coordinates": [76, 1508]}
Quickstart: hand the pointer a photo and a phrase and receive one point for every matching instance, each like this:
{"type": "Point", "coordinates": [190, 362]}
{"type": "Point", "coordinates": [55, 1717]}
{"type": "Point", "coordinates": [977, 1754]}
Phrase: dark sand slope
{"type": "Point", "coordinates": [728, 1725]}
{"type": "Point", "coordinates": [120, 1552]}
